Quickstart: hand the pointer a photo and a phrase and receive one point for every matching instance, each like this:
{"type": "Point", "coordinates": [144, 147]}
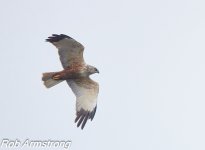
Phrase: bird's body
{"type": "Point", "coordinates": [76, 73]}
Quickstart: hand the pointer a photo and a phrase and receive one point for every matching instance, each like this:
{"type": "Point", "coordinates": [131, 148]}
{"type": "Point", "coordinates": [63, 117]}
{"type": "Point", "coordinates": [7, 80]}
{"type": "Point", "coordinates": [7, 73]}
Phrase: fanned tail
{"type": "Point", "coordinates": [48, 81]}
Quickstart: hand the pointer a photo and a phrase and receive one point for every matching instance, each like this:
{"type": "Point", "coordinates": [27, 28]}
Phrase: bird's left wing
{"type": "Point", "coordinates": [86, 92]}
{"type": "Point", "coordinates": [69, 50]}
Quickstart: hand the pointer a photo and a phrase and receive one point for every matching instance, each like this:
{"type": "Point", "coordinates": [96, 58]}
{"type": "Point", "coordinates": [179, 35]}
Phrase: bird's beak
{"type": "Point", "coordinates": [97, 71]}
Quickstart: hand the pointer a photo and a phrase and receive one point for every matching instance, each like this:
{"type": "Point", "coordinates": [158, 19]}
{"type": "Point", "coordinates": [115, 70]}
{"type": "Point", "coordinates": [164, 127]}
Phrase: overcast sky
{"type": "Point", "coordinates": [152, 72]}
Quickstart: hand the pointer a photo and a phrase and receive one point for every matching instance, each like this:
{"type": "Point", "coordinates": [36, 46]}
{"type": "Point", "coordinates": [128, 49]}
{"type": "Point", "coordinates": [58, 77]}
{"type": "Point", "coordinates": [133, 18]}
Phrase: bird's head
{"type": "Point", "coordinates": [92, 69]}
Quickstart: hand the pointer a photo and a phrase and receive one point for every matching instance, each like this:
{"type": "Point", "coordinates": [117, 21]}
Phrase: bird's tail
{"type": "Point", "coordinates": [48, 81]}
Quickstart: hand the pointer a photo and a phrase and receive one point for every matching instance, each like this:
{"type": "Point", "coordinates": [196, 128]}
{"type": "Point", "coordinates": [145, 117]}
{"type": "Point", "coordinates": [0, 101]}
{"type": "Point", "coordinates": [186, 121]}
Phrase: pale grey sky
{"type": "Point", "coordinates": [152, 78]}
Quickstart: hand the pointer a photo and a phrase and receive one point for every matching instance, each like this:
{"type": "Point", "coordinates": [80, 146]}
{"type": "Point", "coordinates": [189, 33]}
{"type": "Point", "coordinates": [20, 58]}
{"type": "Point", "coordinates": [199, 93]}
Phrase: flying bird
{"type": "Point", "coordinates": [76, 73]}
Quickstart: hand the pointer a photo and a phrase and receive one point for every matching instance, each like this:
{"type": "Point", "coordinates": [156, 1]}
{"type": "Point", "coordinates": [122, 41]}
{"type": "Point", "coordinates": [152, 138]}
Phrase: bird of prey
{"type": "Point", "coordinates": [76, 73]}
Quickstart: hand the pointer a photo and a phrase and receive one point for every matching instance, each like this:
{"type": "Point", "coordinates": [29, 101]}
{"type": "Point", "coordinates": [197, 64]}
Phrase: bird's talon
{"type": "Point", "coordinates": [56, 77]}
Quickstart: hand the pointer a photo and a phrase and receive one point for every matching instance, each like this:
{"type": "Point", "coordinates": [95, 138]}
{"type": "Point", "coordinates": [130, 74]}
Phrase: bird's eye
{"type": "Point", "coordinates": [96, 70]}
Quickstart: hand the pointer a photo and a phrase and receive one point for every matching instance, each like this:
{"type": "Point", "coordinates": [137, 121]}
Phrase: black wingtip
{"type": "Point", "coordinates": [93, 113]}
{"type": "Point", "coordinates": [83, 116]}
{"type": "Point", "coordinates": [56, 38]}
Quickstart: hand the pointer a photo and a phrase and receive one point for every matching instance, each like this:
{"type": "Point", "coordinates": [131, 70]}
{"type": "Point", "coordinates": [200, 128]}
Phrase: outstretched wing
{"type": "Point", "coordinates": [86, 92]}
{"type": "Point", "coordinates": [70, 51]}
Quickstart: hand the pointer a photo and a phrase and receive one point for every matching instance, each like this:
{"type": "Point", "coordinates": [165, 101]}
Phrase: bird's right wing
{"type": "Point", "coordinates": [86, 92]}
{"type": "Point", "coordinates": [70, 51]}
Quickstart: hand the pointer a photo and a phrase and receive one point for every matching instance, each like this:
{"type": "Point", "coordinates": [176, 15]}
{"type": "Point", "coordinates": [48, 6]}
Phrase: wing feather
{"type": "Point", "coordinates": [70, 51]}
{"type": "Point", "coordinates": [86, 92]}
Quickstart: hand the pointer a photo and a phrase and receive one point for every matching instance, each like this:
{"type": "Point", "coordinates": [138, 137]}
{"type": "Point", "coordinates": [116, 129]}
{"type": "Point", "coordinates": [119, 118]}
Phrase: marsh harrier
{"type": "Point", "coordinates": [76, 73]}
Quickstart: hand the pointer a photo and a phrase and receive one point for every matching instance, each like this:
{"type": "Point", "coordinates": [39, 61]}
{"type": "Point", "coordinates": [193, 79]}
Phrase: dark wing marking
{"type": "Point", "coordinates": [93, 114]}
{"type": "Point", "coordinates": [56, 37]}
{"type": "Point", "coordinates": [83, 116]}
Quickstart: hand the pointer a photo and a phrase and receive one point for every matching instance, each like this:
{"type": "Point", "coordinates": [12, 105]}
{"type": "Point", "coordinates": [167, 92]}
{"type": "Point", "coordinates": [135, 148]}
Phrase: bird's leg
{"type": "Point", "coordinates": [56, 77]}
{"type": "Point", "coordinates": [63, 75]}
{"type": "Point", "coordinates": [59, 75]}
